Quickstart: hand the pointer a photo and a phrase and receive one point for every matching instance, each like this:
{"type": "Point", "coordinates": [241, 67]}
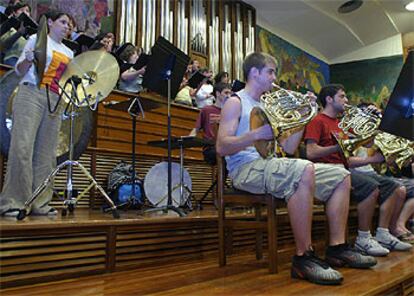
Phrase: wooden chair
{"type": "Point", "coordinates": [231, 197]}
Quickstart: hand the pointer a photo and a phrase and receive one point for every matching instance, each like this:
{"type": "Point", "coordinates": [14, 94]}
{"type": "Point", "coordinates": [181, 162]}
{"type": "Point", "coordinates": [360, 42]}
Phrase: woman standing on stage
{"type": "Point", "coordinates": [34, 135]}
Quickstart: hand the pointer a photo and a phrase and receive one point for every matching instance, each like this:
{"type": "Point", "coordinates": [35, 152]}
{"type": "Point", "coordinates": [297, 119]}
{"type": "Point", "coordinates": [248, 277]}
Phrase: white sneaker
{"type": "Point", "coordinates": [370, 246]}
{"type": "Point", "coordinates": [392, 243]}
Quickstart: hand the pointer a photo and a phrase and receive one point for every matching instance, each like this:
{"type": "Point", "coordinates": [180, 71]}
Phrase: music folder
{"type": "Point", "coordinates": [3, 17]}
{"type": "Point", "coordinates": [6, 26]}
{"type": "Point", "coordinates": [73, 45]}
{"type": "Point", "coordinates": [237, 85]}
{"type": "Point", "coordinates": [27, 21]}
{"type": "Point", "coordinates": [196, 79]}
{"type": "Point", "coordinates": [142, 61]}
{"type": "Point", "coordinates": [83, 39]}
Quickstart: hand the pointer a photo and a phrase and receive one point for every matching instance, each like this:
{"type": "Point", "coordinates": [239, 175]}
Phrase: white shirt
{"type": "Point", "coordinates": [57, 57]}
{"type": "Point", "coordinates": [204, 96]}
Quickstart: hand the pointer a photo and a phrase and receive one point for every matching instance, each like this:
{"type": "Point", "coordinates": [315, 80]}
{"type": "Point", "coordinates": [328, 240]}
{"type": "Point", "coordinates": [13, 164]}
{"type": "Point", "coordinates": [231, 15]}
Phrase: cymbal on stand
{"type": "Point", "coordinates": [98, 72]}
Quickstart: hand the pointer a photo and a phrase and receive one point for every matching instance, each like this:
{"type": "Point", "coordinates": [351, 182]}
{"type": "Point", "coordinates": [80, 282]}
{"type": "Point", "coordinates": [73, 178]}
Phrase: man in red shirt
{"type": "Point", "coordinates": [208, 118]}
{"type": "Point", "coordinates": [366, 190]}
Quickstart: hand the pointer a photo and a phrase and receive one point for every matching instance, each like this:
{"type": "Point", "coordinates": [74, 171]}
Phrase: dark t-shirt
{"type": "Point", "coordinates": [320, 130]}
{"type": "Point", "coordinates": [203, 121]}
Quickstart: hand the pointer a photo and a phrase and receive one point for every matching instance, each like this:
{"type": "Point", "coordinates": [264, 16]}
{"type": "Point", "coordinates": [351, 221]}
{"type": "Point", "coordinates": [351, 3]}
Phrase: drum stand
{"type": "Point", "coordinates": [187, 202]}
{"type": "Point", "coordinates": [70, 201]}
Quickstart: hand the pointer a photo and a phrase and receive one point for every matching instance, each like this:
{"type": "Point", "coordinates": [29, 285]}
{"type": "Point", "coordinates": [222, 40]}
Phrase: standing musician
{"type": "Point", "coordinates": [296, 181]}
{"type": "Point", "coordinates": [34, 136]}
{"type": "Point", "coordinates": [367, 189]}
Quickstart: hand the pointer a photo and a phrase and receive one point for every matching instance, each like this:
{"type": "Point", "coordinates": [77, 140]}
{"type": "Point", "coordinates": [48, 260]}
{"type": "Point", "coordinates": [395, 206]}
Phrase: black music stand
{"type": "Point", "coordinates": [134, 107]}
{"type": "Point", "coordinates": [398, 118]}
{"type": "Point", "coordinates": [164, 74]}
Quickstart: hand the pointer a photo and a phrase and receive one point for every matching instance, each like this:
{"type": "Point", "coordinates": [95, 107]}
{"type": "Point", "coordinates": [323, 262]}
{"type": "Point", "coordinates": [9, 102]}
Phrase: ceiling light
{"type": "Point", "coordinates": [410, 6]}
{"type": "Point", "coordinates": [350, 6]}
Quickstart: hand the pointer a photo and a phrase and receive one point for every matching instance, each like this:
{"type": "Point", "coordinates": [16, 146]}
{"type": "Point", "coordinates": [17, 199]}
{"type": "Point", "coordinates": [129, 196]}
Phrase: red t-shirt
{"type": "Point", "coordinates": [203, 121]}
{"type": "Point", "coordinates": [320, 130]}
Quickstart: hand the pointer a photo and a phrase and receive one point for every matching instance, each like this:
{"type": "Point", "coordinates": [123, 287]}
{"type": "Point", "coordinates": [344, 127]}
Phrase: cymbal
{"type": "Point", "coordinates": [98, 72]}
{"type": "Point", "coordinates": [40, 49]}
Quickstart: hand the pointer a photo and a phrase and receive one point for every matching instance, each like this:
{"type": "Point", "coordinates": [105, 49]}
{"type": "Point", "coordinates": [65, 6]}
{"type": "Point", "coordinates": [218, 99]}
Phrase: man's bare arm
{"type": "Point", "coordinates": [315, 151]}
{"type": "Point", "coordinates": [227, 141]}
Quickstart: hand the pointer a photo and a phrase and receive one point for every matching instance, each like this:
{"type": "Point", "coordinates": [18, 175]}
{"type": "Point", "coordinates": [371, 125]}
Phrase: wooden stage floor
{"type": "Point", "coordinates": [90, 253]}
{"type": "Point", "coordinates": [242, 276]}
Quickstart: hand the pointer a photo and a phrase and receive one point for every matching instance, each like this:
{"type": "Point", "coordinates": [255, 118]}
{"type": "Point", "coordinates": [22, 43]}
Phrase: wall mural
{"type": "Point", "coordinates": [88, 14]}
{"type": "Point", "coordinates": [297, 69]}
{"type": "Point", "coordinates": [369, 80]}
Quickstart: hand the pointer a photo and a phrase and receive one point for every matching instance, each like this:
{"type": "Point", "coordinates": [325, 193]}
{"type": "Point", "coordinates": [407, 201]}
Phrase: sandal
{"type": "Point", "coordinates": [406, 237]}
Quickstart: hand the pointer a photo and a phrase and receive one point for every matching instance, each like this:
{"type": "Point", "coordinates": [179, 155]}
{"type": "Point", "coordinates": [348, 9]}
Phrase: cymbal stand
{"type": "Point", "coordinates": [70, 201]}
{"type": "Point", "coordinates": [169, 206]}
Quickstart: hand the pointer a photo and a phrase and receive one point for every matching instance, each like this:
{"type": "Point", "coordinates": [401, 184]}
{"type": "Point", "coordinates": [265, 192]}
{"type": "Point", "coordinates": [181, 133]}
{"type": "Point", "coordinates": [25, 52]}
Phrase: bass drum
{"type": "Point", "coordinates": [83, 122]}
{"type": "Point", "coordinates": [156, 185]}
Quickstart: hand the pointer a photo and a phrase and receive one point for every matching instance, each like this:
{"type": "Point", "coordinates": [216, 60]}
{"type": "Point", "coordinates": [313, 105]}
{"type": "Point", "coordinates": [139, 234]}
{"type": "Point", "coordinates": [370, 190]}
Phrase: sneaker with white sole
{"type": "Point", "coordinates": [387, 240]}
{"type": "Point", "coordinates": [368, 245]}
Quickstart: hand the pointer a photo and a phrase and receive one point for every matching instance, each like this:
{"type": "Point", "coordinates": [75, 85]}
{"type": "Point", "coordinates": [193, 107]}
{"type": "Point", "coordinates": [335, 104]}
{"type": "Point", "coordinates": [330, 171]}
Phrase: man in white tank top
{"type": "Point", "coordinates": [290, 179]}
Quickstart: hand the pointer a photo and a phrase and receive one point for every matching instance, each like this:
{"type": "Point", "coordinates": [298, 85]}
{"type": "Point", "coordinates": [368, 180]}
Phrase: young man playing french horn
{"type": "Point", "coordinates": [321, 147]}
{"type": "Point", "coordinates": [296, 181]}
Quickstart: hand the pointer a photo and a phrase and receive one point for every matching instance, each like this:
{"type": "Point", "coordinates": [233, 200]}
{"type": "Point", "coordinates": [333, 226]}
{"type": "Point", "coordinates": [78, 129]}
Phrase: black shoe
{"type": "Point", "coordinates": [311, 268]}
{"type": "Point", "coordinates": [345, 255]}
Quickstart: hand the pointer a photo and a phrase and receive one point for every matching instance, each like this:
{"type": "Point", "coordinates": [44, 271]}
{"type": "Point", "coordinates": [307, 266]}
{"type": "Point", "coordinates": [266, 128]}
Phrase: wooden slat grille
{"type": "Point", "coordinates": [26, 257]}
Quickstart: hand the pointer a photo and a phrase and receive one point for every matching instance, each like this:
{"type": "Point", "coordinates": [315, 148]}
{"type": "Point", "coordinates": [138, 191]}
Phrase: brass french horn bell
{"type": "Point", "coordinates": [97, 71]}
{"type": "Point", "coordinates": [283, 110]}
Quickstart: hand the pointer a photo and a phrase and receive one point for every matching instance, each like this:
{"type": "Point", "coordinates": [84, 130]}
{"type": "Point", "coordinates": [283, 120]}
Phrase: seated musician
{"type": "Point", "coordinates": [366, 190]}
{"type": "Point", "coordinates": [13, 42]}
{"type": "Point", "coordinates": [131, 79]}
{"type": "Point", "coordinates": [204, 94]}
{"type": "Point", "coordinates": [104, 41]}
{"type": "Point", "coordinates": [404, 208]}
{"type": "Point", "coordinates": [208, 118]}
{"type": "Point", "coordinates": [186, 93]}
{"type": "Point", "coordinates": [296, 181]}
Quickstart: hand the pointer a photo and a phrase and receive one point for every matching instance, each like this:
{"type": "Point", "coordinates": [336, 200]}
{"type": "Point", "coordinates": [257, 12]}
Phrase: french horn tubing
{"type": "Point", "coordinates": [284, 110]}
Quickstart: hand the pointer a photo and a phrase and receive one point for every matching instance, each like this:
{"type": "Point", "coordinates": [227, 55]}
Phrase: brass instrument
{"type": "Point", "coordinates": [283, 110]}
{"type": "Point", "coordinates": [360, 126]}
{"type": "Point", "coordinates": [395, 149]}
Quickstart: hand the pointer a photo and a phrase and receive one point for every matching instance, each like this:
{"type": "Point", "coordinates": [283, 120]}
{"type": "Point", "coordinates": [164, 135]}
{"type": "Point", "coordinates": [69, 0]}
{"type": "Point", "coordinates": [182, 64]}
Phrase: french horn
{"type": "Point", "coordinates": [283, 110]}
{"type": "Point", "coordinates": [362, 128]}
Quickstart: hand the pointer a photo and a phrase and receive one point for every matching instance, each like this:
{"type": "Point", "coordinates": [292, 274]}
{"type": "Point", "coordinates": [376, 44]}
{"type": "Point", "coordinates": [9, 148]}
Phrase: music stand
{"type": "Point", "coordinates": [134, 107]}
{"type": "Point", "coordinates": [163, 75]}
{"type": "Point", "coordinates": [398, 118]}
